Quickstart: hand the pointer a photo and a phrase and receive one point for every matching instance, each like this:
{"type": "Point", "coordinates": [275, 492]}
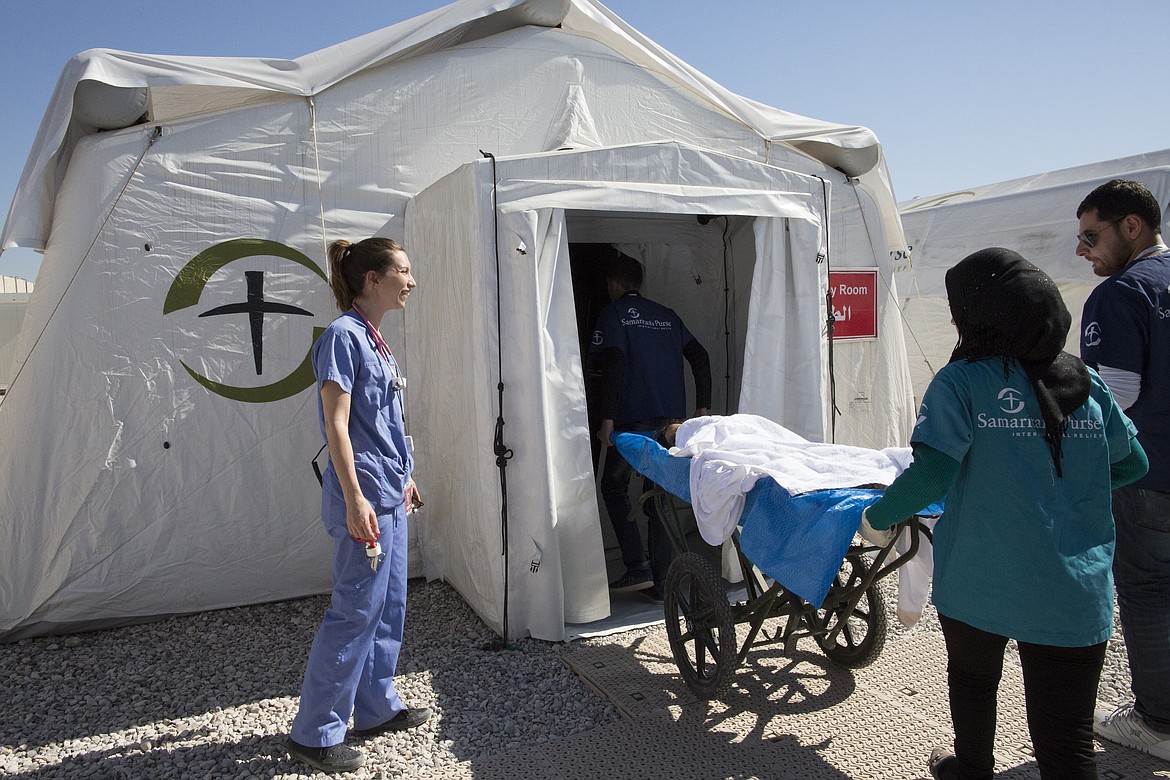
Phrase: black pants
{"type": "Point", "coordinates": [615, 492]}
{"type": "Point", "coordinates": [1060, 691]}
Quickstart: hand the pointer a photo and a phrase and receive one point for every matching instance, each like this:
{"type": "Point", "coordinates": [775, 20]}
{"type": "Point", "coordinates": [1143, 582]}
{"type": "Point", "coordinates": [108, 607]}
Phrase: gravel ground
{"type": "Point", "coordinates": [212, 695]}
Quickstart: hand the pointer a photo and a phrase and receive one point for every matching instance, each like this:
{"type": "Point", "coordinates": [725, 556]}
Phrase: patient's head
{"type": "Point", "coordinates": [668, 434]}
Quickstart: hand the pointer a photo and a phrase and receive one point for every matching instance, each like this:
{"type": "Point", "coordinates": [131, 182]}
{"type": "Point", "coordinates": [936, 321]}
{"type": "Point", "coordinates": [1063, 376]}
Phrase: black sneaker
{"type": "Point", "coordinates": [654, 593]}
{"type": "Point", "coordinates": [631, 581]}
{"type": "Point", "coordinates": [409, 718]}
{"type": "Point", "coordinates": [942, 763]}
{"type": "Point", "coordinates": [335, 758]}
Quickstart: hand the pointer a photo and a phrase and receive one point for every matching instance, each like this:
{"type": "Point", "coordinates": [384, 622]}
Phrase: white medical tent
{"type": "Point", "coordinates": [1033, 215]}
{"type": "Point", "coordinates": [165, 438]}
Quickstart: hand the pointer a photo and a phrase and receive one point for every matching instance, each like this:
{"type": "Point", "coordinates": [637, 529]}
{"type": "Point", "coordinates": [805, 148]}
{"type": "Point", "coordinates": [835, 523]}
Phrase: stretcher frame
{"type": "Point", "coordinates": [849, 626]}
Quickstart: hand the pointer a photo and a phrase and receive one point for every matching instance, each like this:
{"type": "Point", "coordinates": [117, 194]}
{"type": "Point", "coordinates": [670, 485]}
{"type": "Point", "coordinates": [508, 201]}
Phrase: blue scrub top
{"type": "Point", "coordinates": [1018, 551]}
{"type": "Point", "coordinates": [651, 337]}
{"type": "Point", "coordinates": [1126, 325]}
{"type": "Point", "coordinates": [346, 354]}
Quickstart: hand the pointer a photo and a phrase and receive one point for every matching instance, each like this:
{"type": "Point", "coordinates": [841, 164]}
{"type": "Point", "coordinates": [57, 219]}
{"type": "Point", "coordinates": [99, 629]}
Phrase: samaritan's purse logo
{"type": "Point", "coordinates": [1092, 334]}
{"type": "Point", "coordinates": [188, 287]}
{"type": "Point", "coordinates": [1010, 400]}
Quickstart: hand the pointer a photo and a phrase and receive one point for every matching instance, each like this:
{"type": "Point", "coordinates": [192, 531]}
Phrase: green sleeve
{"type": "Point", "coordinates": [1131, 468]}
{"type": "Point", "coordinates": [926, 480]}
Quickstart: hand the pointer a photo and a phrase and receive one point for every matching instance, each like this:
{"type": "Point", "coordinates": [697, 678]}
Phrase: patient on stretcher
{"type": "Point", "coordinates": [729, 454]}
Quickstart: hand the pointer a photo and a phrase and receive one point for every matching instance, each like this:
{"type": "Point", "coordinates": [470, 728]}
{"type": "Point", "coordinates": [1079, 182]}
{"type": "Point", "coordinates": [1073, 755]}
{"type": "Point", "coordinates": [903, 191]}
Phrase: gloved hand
{"type": "Point", "coordinates": [874, 536]}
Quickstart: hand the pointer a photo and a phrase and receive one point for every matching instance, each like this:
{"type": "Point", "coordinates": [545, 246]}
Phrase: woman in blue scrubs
{"type": "Point", "coordinates": [366, 489]}
{"type": "Point", "coordinates": [1025, 442]}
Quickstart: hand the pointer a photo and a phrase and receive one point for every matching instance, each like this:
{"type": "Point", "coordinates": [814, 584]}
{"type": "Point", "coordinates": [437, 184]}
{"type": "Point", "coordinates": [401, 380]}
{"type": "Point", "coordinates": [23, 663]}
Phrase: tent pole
{"type": "Point", "coordinates": [830, 320]}
{"type": "Point", "coordinates": [503, 454]}
{"type": "Point", "coordinates": [727, 321]}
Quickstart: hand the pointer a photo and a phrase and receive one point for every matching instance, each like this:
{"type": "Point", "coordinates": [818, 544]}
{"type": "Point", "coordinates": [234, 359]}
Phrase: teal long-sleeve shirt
{"type": "Point", "coordinates": [932, 474]}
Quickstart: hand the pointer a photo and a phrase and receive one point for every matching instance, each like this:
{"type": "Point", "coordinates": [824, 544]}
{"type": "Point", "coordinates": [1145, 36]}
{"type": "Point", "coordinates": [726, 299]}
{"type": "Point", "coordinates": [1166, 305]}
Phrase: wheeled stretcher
{"type": "Point", "coordinates": [801, 563]}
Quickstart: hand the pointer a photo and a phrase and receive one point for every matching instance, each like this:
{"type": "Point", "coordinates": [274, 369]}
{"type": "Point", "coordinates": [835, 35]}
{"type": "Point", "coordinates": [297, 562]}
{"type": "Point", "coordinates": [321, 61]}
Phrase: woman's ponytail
{"type": "Point", "coordinates": [343, 294]}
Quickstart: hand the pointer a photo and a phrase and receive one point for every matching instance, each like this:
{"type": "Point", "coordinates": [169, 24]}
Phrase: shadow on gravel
{"type": "Point", "coordinates": [251, 757]}
{"type": "Point", "coordinates": [114, 680]}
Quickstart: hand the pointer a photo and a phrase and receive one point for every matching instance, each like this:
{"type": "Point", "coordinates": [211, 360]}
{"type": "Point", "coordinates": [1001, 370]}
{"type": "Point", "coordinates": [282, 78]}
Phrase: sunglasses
{"type": "Point", "coordinates": [1090, 237]}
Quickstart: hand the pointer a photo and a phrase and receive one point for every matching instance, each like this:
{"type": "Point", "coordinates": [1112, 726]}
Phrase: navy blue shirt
{"type": "Point", "coordinates": [651, 338]}
{"type": "Point", "coordinates": [1126, 325]}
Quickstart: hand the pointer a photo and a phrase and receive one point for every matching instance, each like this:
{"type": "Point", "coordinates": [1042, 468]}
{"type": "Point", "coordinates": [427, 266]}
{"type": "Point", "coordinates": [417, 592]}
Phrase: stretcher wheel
{"type": "Point", "coordinates": [863, 634]}
{"type": "Point", "coordinates": [699, 627]}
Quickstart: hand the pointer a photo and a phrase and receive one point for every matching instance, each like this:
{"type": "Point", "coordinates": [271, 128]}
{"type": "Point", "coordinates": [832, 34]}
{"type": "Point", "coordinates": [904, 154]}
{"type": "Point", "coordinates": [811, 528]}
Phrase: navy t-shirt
{"type": "Point", "coordinates": [651, 338]}
{"type": "Point", "coordinates": [1126, 325]}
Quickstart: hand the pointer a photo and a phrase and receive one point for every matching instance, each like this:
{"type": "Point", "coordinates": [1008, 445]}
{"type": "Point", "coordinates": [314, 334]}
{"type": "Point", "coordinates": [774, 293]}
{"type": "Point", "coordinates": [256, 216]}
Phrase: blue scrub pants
{"type": "Point", "coordinates": [354, 655]}
{"type": "Point", "coordinates": [1141, 571]}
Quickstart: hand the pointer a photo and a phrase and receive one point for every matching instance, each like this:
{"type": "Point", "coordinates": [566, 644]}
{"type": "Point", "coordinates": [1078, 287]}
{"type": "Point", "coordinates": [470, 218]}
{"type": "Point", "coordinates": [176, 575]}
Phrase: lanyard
{"type": "Point", "coordinates": [397, 380]}
{"type": "Point", "coordinates": [379, 342]}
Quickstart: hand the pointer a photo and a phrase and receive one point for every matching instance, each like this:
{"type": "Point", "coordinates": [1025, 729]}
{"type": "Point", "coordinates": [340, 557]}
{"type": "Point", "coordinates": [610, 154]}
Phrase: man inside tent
{"type": "Point", "coordinates": [639, 347]}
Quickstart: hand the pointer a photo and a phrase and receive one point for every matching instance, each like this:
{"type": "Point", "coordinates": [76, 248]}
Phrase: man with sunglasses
{"type": "Point", "coordinates": [1126, 337]}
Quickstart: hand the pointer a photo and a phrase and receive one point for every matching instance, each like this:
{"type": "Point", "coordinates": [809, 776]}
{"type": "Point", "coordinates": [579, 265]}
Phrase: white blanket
{"type": "Point", "coordinates": [728, 455]}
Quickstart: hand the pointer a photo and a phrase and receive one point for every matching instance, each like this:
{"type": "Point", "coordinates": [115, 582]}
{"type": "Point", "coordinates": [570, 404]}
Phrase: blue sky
{"type": "Point", "coordinates": [960, 94]}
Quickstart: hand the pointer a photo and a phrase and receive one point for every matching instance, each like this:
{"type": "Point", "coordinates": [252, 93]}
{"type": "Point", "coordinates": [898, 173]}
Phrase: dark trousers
{"type": "Point", "coordinates": [1060, 691]}
{"type": "Point", "coordinates": [615, 491]}
{"type": "Point", "coordinates": [1141, 570]}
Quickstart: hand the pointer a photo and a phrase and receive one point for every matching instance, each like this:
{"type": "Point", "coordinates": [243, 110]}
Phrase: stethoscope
{"type": "Point", "coordinates": [397, 380]}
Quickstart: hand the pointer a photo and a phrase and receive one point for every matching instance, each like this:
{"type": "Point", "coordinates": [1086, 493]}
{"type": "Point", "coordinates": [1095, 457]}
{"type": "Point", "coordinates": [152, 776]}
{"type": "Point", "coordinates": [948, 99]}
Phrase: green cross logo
{"type": "Point", "coordinates": [187, 289]}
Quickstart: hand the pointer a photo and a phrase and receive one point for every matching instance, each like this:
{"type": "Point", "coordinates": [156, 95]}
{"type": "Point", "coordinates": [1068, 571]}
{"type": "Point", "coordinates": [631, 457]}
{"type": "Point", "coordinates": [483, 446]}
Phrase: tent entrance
{"type": "Point", "coordinates": [507, 255]}
{"type": "Point", "coordinates": [698, 265]}
{"type": "Point", "coordinates": [689, 263]}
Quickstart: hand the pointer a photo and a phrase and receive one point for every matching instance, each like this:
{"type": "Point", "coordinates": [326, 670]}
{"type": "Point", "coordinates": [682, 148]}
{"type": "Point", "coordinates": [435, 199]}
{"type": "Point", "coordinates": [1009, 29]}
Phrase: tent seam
{"type": "Point", "coordinates": [154, 136]}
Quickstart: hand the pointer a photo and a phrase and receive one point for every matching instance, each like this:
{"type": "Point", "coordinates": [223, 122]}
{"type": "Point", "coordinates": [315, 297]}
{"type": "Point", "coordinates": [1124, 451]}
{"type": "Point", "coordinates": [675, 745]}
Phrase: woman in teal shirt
{"type": "Point", "coordinates": [1025, 443]}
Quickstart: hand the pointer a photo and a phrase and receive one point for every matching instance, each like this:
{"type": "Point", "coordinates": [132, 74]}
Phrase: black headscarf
{"type": "Point", "coordinates": [1006, 307]}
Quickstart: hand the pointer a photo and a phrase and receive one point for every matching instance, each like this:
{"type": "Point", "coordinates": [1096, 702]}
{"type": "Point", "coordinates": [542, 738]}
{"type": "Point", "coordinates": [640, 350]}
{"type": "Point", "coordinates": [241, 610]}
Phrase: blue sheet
{"type": "Point", "coordinates": [799, 541]}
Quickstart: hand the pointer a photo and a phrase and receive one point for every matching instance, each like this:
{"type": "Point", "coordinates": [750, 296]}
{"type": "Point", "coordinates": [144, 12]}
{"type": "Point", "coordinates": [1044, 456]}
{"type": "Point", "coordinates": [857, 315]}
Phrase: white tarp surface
{"type": "Point", "coordinates": [181, 87]}
{"type": "Point", "coordinates": [156, 461]}
{"type": "Point", "coordinates": [14, 295]}
{"type": "Point", "coordinates": [1035, 216]}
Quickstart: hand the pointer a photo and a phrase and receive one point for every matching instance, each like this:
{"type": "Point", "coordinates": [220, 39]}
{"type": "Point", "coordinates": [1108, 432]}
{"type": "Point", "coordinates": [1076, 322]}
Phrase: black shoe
{"type": "Point", "coordinates": [335, 758]}
{"type": "Point", "coordinates": [631, 581]}
{"type": "Point", "coordinates": [654, 593]}
{"type": "Point", "coordinates": [942, 762]}
{"type": "Point", "coordinates": [409, 718]}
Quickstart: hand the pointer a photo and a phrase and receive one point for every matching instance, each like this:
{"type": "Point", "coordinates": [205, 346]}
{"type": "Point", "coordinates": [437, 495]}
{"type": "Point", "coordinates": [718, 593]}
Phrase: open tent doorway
{"type": "Point", "coordinates": [699, 265]}
{"type": "Point", "coordinates": [499, 408]}
{"type": "Point", "coordinates": [689, 265]}
{"type": "Point", "coordinates": [588, 264]}
{"type": "Point", "coordinates": [694, 264]}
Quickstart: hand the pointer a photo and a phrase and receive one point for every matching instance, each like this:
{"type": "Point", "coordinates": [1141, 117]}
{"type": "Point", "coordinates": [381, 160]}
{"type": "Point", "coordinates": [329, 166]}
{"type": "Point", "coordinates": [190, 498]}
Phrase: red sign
{"type": "Point", "coordinates": [854, 304]}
